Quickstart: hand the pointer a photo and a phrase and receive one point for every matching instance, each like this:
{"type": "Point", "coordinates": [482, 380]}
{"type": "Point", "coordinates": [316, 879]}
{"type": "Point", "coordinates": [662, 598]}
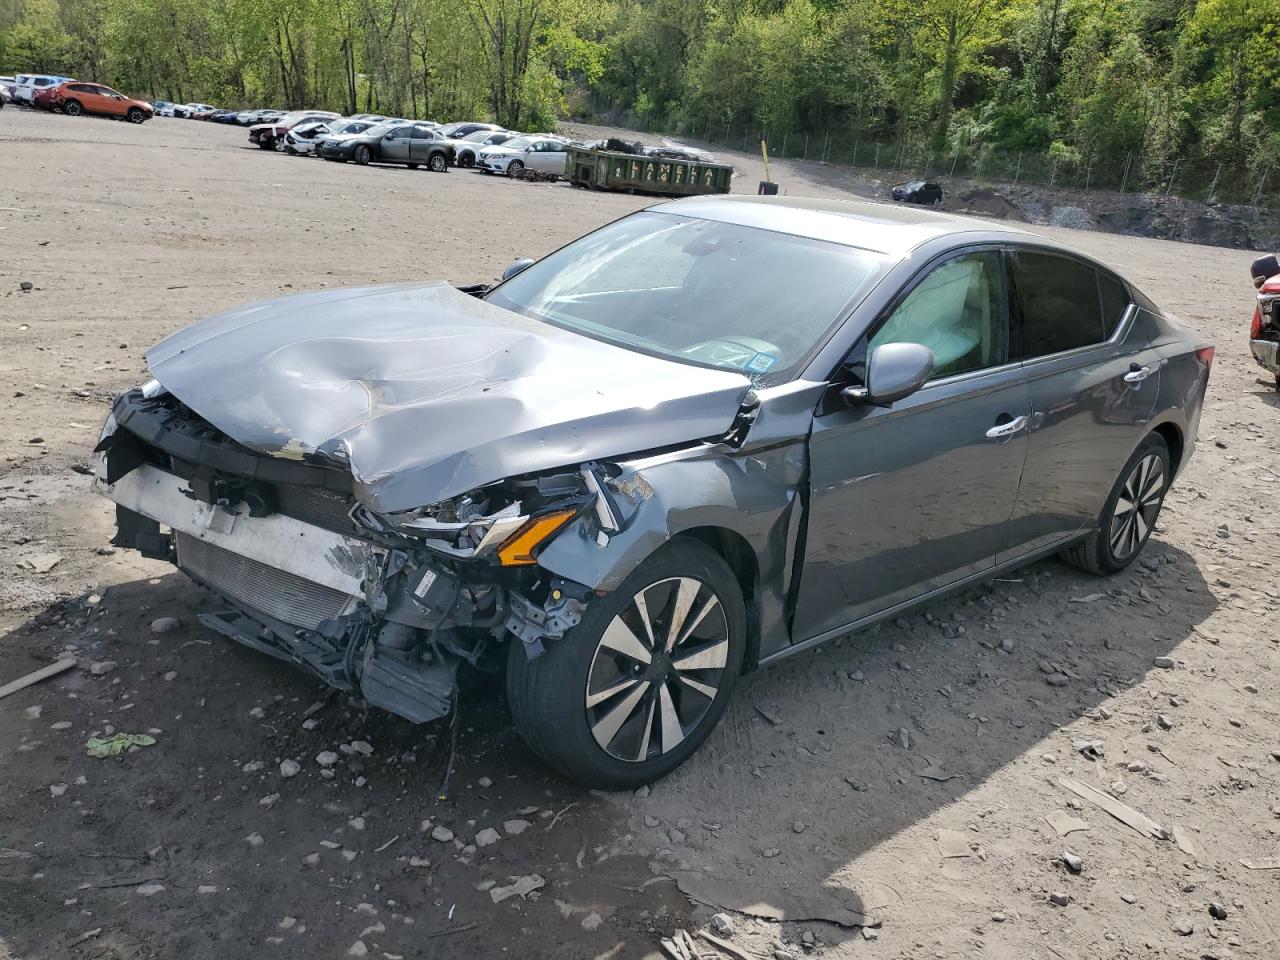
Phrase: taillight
{"type": "Point", "coordinates": [1205, 356]}
{"type": "Point", "coordinates": [1255, 328]}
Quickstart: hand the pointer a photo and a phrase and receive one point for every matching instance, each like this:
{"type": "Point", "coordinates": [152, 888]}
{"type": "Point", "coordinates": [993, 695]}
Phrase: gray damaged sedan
{"type": "Point", "coordinates": [704, 437]}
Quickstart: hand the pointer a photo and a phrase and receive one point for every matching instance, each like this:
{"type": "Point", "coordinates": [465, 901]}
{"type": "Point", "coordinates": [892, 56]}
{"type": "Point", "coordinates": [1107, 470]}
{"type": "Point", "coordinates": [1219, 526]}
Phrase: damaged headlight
{"type": "Point", "coordinates": [509, 533]}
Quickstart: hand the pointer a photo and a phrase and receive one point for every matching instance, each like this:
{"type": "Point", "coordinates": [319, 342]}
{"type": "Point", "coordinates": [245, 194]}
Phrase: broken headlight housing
{"type": "Point", "coordinates": [508, 521]}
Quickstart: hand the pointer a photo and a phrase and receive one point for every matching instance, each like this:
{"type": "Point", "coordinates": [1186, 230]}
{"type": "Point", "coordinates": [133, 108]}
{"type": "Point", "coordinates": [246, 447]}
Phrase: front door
{"type": "Point", "coordinates": [395, 145]}
{"type": "Point", "coordinates": [111, 102]}
{"type": "Point", "coordinates": [914, 497]}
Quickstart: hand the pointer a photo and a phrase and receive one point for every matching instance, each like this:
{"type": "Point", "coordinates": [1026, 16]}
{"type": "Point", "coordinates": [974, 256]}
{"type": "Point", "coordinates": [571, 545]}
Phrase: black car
{"type": "Point", "coordinates": [464, 129]}
{"type": "Point", "coordinates": [413, 144]}
{"type": "Point", "coordinates": [918, 191]}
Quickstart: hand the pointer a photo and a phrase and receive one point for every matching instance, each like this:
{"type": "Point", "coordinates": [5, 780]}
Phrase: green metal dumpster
{"type": "Point", "coordinates": [606, 170]}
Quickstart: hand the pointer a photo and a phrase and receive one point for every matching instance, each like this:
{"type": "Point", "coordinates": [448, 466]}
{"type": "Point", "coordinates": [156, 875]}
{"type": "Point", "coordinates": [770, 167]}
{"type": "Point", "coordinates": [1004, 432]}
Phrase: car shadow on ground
{"type": "Point", "coordinates": [819, 760]}
{"type": "Point", "coordinates": [1267, 393]}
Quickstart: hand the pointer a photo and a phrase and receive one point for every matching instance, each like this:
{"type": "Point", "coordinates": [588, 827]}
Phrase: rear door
{"type": "Point", "coordinates": [424, 139]}
{"type": "Point", "coordinates": [552, 157]}
{"type": "Point", "coordinates": [911, 498]}
{"type": "Point", "coordinates": [1093, 391]}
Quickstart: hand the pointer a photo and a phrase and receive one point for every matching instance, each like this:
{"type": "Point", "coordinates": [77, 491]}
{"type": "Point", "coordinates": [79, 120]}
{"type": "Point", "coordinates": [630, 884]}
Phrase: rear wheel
{"type": "Point", "coordinates": [437, 163]}
{"type": "Point", "coordinates": [72, 108]}
{"type": "Point", "coordinates": [1130, 512]}
{"type": "Point", "coordinates": [135, 115]}
{"type": "Point", "coordinates": [514, 168]}
{"type": "Point", "coordinates": [633, 690]}
{"type": "Point", "coordinates": [362, 155]}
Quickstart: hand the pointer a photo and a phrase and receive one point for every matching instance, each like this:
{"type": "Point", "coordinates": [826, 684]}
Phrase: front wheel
{"type": "Point", "coordinates": [135, 115]}
{"type": "Point", "coordinates": [466, 160]}
{"type": "Point", "coordinates": [437, 163]}
{"type": "Point", "coordinates": [633, 690]}
{"type": "Point", "coordinates": [514, 168]}
{"type": "Point", "coordinates": [1130, 512]}
{"type": "Point", "coordinates": [362, 155]}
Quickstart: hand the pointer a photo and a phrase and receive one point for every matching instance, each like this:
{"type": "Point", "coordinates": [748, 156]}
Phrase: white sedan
{"type": "Point", "coordinates": [541, 153]}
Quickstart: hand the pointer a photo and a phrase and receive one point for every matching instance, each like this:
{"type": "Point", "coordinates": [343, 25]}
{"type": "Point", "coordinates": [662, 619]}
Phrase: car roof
{"type": "Point", "coordinates": [880, 227]}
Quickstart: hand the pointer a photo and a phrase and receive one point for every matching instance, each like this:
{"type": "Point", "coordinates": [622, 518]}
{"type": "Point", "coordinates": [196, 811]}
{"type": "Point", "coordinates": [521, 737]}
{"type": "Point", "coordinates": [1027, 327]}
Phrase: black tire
{"type": "Point", "coordinates": [264, 143]}
{"type": "Point", "coordinates": [550, 696]}
{"type": "Point", "coordinates": [135, 115]}
{"type": "Point", "coordinates": [466, 160]}
{"type": "Point", "coordinates": [72, 108]}
{"type": "Point", "coordinates": [362, 155]}
{"type": "Point", "coordinates": [1116, 541]}
{"type": "Point", "coordinates": [514, 168]}
{"type": "Point", "coordinates": [438, 163]}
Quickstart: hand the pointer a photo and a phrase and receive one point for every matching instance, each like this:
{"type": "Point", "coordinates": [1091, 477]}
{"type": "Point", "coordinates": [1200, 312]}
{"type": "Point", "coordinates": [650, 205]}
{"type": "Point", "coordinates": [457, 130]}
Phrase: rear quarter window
{"type": "Point", "coordinates": [1058, 304]}
{"type": "Point", "coordinates": [1115, 301]}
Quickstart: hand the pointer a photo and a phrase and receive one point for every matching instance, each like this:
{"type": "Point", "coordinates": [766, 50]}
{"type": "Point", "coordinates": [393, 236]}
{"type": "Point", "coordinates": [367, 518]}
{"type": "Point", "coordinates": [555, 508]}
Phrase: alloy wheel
{"type": "Point", "coordinates": [1137, 507]}
{"type": "Point", "coordinates": [657, 669]}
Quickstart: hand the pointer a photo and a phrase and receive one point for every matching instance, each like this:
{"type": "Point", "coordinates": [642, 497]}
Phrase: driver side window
{"type": "Point", "coordinates": [958, 311]}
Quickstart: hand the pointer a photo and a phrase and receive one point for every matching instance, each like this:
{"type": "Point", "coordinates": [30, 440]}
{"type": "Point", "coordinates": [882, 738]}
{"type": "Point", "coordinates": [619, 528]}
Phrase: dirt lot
{"type": "Point", "coordinates": [909, 773]}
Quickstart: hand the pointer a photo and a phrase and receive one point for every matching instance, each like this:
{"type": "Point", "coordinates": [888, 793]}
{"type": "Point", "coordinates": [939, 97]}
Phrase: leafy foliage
{"type": "Point", "coordinates": [1092, 84]}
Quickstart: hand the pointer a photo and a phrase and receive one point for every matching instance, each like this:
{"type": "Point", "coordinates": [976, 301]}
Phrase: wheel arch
{"type": "Point", "coordinates": [735, 550]}
{"type": "Point", "coordinates": [1173, 438]}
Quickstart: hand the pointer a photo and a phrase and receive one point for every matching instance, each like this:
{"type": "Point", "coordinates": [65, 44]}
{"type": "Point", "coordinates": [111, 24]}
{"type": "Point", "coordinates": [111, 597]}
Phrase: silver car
{"type": "Point", "coordinates": [705, 437]}
{"type": "Point", "coordinates": [545, 154]}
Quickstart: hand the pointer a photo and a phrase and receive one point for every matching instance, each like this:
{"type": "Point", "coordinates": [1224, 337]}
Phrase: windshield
{"type": "Point", "coordinates": [519, 143]}
{"type": "Point", "coordinates": [380, 130]}
{"type": "Point", "coordinates": [348, 126]}
{"type": "Point", "coordinates": [477, 135]}
{"type": "Point", "coordinates": [698, 291]}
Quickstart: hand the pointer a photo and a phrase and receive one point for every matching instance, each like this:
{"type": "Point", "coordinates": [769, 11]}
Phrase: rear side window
{"type": "Point", "coordinates": [1115, 300]}
{"type": "Point", "coordinates": [1058, 304]}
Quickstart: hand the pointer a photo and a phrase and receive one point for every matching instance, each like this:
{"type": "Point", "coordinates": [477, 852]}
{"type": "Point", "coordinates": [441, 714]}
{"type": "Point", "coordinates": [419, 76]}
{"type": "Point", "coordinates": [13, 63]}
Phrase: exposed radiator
{"type": "Point", "coordinates": [276, 593]}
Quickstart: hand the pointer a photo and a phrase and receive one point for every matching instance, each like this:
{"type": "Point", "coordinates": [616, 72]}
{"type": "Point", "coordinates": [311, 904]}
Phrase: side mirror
{"type": "Point", "coordinates": [894, 371]}
{"type": "Point", "coordinates": [516, 266]}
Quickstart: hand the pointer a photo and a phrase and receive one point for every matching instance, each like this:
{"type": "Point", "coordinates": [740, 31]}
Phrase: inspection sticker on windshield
{"type": "Point", "coordinates": [760, 363]}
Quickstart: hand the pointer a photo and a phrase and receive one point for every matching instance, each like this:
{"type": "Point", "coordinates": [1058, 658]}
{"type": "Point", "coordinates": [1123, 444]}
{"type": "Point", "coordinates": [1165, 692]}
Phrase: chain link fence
{"type": "Point", "coordinates": [1205, 179]}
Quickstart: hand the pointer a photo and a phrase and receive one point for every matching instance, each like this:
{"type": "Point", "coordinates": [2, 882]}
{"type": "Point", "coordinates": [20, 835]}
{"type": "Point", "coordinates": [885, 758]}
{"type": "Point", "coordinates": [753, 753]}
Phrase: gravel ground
{"type": "Point", "coordinates": [913, 773]}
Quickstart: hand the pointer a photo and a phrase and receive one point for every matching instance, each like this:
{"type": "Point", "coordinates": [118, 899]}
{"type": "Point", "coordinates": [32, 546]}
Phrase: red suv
{"type": "Point", "coordinates": [1264, 332]}
{"type": "Point", "coordinates": [78, 97]}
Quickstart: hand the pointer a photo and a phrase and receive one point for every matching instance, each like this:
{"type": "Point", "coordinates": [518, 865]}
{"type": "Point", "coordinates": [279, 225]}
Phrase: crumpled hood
{"type": "Point", "coordinates": [431, 392]}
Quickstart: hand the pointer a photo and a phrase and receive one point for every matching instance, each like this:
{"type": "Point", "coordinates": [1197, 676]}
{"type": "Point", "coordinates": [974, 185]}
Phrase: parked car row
{"type": "Point", "coordinates": [372, 138]}
{"type": "Point", "coordinates": [74, 97]}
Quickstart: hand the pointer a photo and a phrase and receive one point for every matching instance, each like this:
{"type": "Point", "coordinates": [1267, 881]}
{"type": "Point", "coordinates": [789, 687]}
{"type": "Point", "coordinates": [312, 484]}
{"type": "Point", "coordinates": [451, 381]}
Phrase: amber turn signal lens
{"type": "Point", "coordinates": [517, 550]}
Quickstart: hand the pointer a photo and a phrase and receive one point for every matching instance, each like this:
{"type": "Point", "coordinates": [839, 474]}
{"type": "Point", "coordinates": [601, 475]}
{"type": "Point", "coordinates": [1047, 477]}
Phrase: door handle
{"type": "Point", "coordinates": [1137, 374]}
{"type": "Point", "coordinates": [1007, 429]}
